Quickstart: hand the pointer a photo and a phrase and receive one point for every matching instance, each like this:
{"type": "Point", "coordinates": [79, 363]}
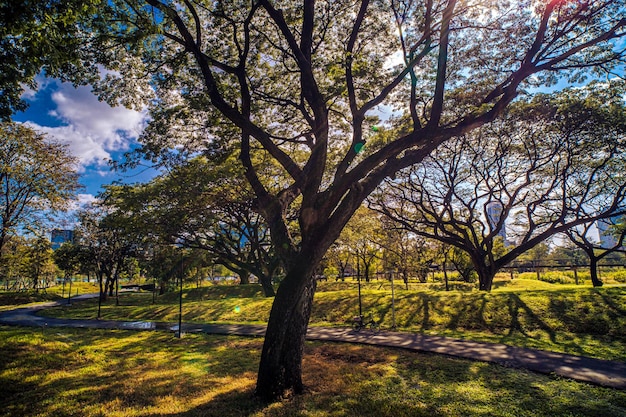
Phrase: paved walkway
{"type": "Point", "coordinates": [595, 371]}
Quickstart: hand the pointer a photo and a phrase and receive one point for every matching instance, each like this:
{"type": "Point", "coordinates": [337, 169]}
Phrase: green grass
{"type": "Point", "coordinates": [9, 300]}
{"type": "Point", "coordinates": [82, 372]}
{"type": "Point", "coordinates": [576, 320]}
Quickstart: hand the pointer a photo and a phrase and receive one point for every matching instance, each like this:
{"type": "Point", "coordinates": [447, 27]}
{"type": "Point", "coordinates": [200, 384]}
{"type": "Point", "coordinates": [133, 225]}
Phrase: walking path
{"type": "Point", "coordinates": [595, 371]}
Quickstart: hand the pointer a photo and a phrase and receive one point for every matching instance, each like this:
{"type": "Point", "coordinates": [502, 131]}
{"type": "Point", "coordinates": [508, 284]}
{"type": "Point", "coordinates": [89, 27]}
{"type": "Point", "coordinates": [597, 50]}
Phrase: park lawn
{"type": "Point", "coordinates": [85, 372]}
{"type": "Point", "coordinates": [576, 320]}
{"type": "Point", "coordinates": [12, 300]}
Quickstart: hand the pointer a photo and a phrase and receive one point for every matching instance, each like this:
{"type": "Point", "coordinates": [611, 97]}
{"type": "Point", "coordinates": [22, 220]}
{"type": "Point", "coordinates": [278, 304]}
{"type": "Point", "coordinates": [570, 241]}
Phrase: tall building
{"type": "Point", "coordinates": [605, 231]}
{"type": "Point", "coordinates": [59, 237]}
{"type": "Point", "coordinates": [494, 212]}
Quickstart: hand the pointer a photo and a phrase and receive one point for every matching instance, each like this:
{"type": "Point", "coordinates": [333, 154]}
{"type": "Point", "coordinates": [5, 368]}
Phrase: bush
{"type": "Point", "coordinates": [556, 277]}
{"type": "Point", "coordinates": [618, 276]}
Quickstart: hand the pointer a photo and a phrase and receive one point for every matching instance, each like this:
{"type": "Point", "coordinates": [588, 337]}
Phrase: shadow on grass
{"type": "Point", "coordinates": [79, 372]}
{"type": "Point", "coordinates": [515, 304]}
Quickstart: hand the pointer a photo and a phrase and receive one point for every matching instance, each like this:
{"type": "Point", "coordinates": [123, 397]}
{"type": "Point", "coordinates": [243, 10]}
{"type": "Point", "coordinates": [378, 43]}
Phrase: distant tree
{"type": "Point", "coordinates": [405, 253]}
{"type": "Point", "coordinates": [203, 204]}
{"type": "Point", "coordinates": [164, 264]}
{"type": "Point", "coordinates": [595, 251]}
{"type": "Point", "coordinates": [361, 238]}
{"type": "Point", "coordinates": [568, 254]}
{"type": "Point", "coordinates": [550, 165]}
{"type": "Point", "coordinates": [106, 244]}
{"type": "Point", "coordinates": [536, 258]}
{"type": "Point", "coordinates": [13, 256]}
{"type": "Point", "coordinates": [37, 178]}
{"type": "Point", "coordinates": [39, 265]}
{"type": "Point", "coordinates": [341, 258]}
{"type": "Point", "coordinates": [69, 257]}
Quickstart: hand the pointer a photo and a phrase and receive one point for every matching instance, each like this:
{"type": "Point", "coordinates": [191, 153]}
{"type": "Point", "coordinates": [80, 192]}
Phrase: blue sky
{"type": "Point", "coordinates": [94, 131]}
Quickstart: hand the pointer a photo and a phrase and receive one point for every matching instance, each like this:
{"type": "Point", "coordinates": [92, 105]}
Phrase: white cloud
{"type": "Point", "coordinates": [86, 199]}
{"type": "Point", "coordinates": [29, 93]}
{"type": "Point", "coordinates": [91, 128]}
{"type": "Point", "coordinates": [80, 202]}
{"type": "Point", "coordinates": [88, 149]}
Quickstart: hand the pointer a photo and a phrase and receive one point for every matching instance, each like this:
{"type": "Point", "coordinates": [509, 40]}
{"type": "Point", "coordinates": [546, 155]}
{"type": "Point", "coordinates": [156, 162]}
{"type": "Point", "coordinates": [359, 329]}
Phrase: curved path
{"type": "Point", "coordinates": [595, 371]}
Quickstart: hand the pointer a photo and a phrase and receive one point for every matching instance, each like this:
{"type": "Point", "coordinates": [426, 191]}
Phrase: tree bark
{"type": "Point", "coordinates": [486, 274]}
{"type": "Point", "coordinates": [244, 278]}
{"type": "Point", "coordinates": [280, 369]}
{"type": "Point", "coordinates": [593, 270]}
{"type": "Point", "coordinates": [266, 284]}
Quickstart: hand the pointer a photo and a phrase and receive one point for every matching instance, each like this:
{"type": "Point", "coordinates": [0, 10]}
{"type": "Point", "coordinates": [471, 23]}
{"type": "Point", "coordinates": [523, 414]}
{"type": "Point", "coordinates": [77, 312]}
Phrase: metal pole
{"type": "Point", "coordinates": [69, 293]}
{"type": "Point", "coordinates": [393, 303]}
{"type": "Point", "coordinates": [358, 280]}
{"type": "Point", "coordinates": [180, 298]}
{"type": "Point", "coordinates": [117, 288]}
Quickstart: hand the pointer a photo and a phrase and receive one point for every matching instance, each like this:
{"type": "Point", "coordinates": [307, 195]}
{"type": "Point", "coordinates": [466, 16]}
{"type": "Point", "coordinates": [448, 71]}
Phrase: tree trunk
{"type": "Point", "coordinates": [266, 284]}
{"type": "Point", "coordinates": [244, 278]}
{"type": "Point", "coordinates": [102, 295]}
{"type": "Point", "coordinates": [486, 274]}
{"type": "Point", "coordinates": [593, 269]}
{"type": "Point", "coordinates": [110, 285]}
{"type": "Point", "coordinates": [280, 369]}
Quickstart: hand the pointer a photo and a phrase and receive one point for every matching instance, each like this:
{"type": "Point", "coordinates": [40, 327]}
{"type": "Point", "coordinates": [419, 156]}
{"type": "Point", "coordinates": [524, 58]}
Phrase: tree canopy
{"type": "Point", "coordinates": [204, 204]}
{"type": "Point", "coordinates": [37, 178]}
{"type": "Point", "coordinates": [548, 166]}
{"type": "Point", "coordinates": [38, 36]}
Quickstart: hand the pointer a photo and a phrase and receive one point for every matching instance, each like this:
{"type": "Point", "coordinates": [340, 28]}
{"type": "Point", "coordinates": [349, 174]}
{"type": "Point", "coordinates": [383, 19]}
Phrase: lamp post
{"type": "Point", "coordinates": [180, 296]}
{"type": "Point", "coordinates": [393, 302]}
{"type": "Point", "coordinates": [358, 280]}
{"type": "Point", "coordinates": [69, 293]}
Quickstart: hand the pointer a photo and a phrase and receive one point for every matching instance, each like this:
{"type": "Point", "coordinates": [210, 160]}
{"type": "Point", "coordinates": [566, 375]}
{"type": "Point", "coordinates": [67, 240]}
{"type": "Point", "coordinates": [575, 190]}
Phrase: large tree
{"type": "Point", "coordinates": [37, 177]}
{"type": "Point", "coordinates": [298, 83]}
{"type": "Point", "coordinates": [548, 166]}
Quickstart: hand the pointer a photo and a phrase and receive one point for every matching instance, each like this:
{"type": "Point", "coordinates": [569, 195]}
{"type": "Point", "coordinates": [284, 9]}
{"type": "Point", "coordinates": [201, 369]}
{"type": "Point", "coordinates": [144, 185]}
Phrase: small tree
{"type": "Point", "coordinates": [68, 257]}
{"type": "Point", "coordinates": [361, 238]}
{"type": "Point", "coordinates": [104, 238]}
{"type": "Point", "coordinates": [405, 252]}
{"type": "Point", "coordinates": [594, 250]}
{"type": "Point", "coordinates": [39, 266]}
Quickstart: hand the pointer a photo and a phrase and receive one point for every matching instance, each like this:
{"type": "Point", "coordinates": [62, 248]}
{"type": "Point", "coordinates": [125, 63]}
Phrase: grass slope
{"type": "Point", "coordinates": [576, 320]}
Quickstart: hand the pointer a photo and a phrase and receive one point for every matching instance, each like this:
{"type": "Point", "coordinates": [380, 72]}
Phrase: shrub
{"type": "Point", "coordinates": [556, 277]}
{"type": "Point", "coordinates": [619, 276]}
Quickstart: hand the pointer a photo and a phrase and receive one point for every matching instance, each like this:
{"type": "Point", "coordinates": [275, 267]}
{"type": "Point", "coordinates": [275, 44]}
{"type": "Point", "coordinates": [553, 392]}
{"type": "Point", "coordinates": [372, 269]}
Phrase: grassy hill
{"type": "Point", "coordinates": [564, 318]}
